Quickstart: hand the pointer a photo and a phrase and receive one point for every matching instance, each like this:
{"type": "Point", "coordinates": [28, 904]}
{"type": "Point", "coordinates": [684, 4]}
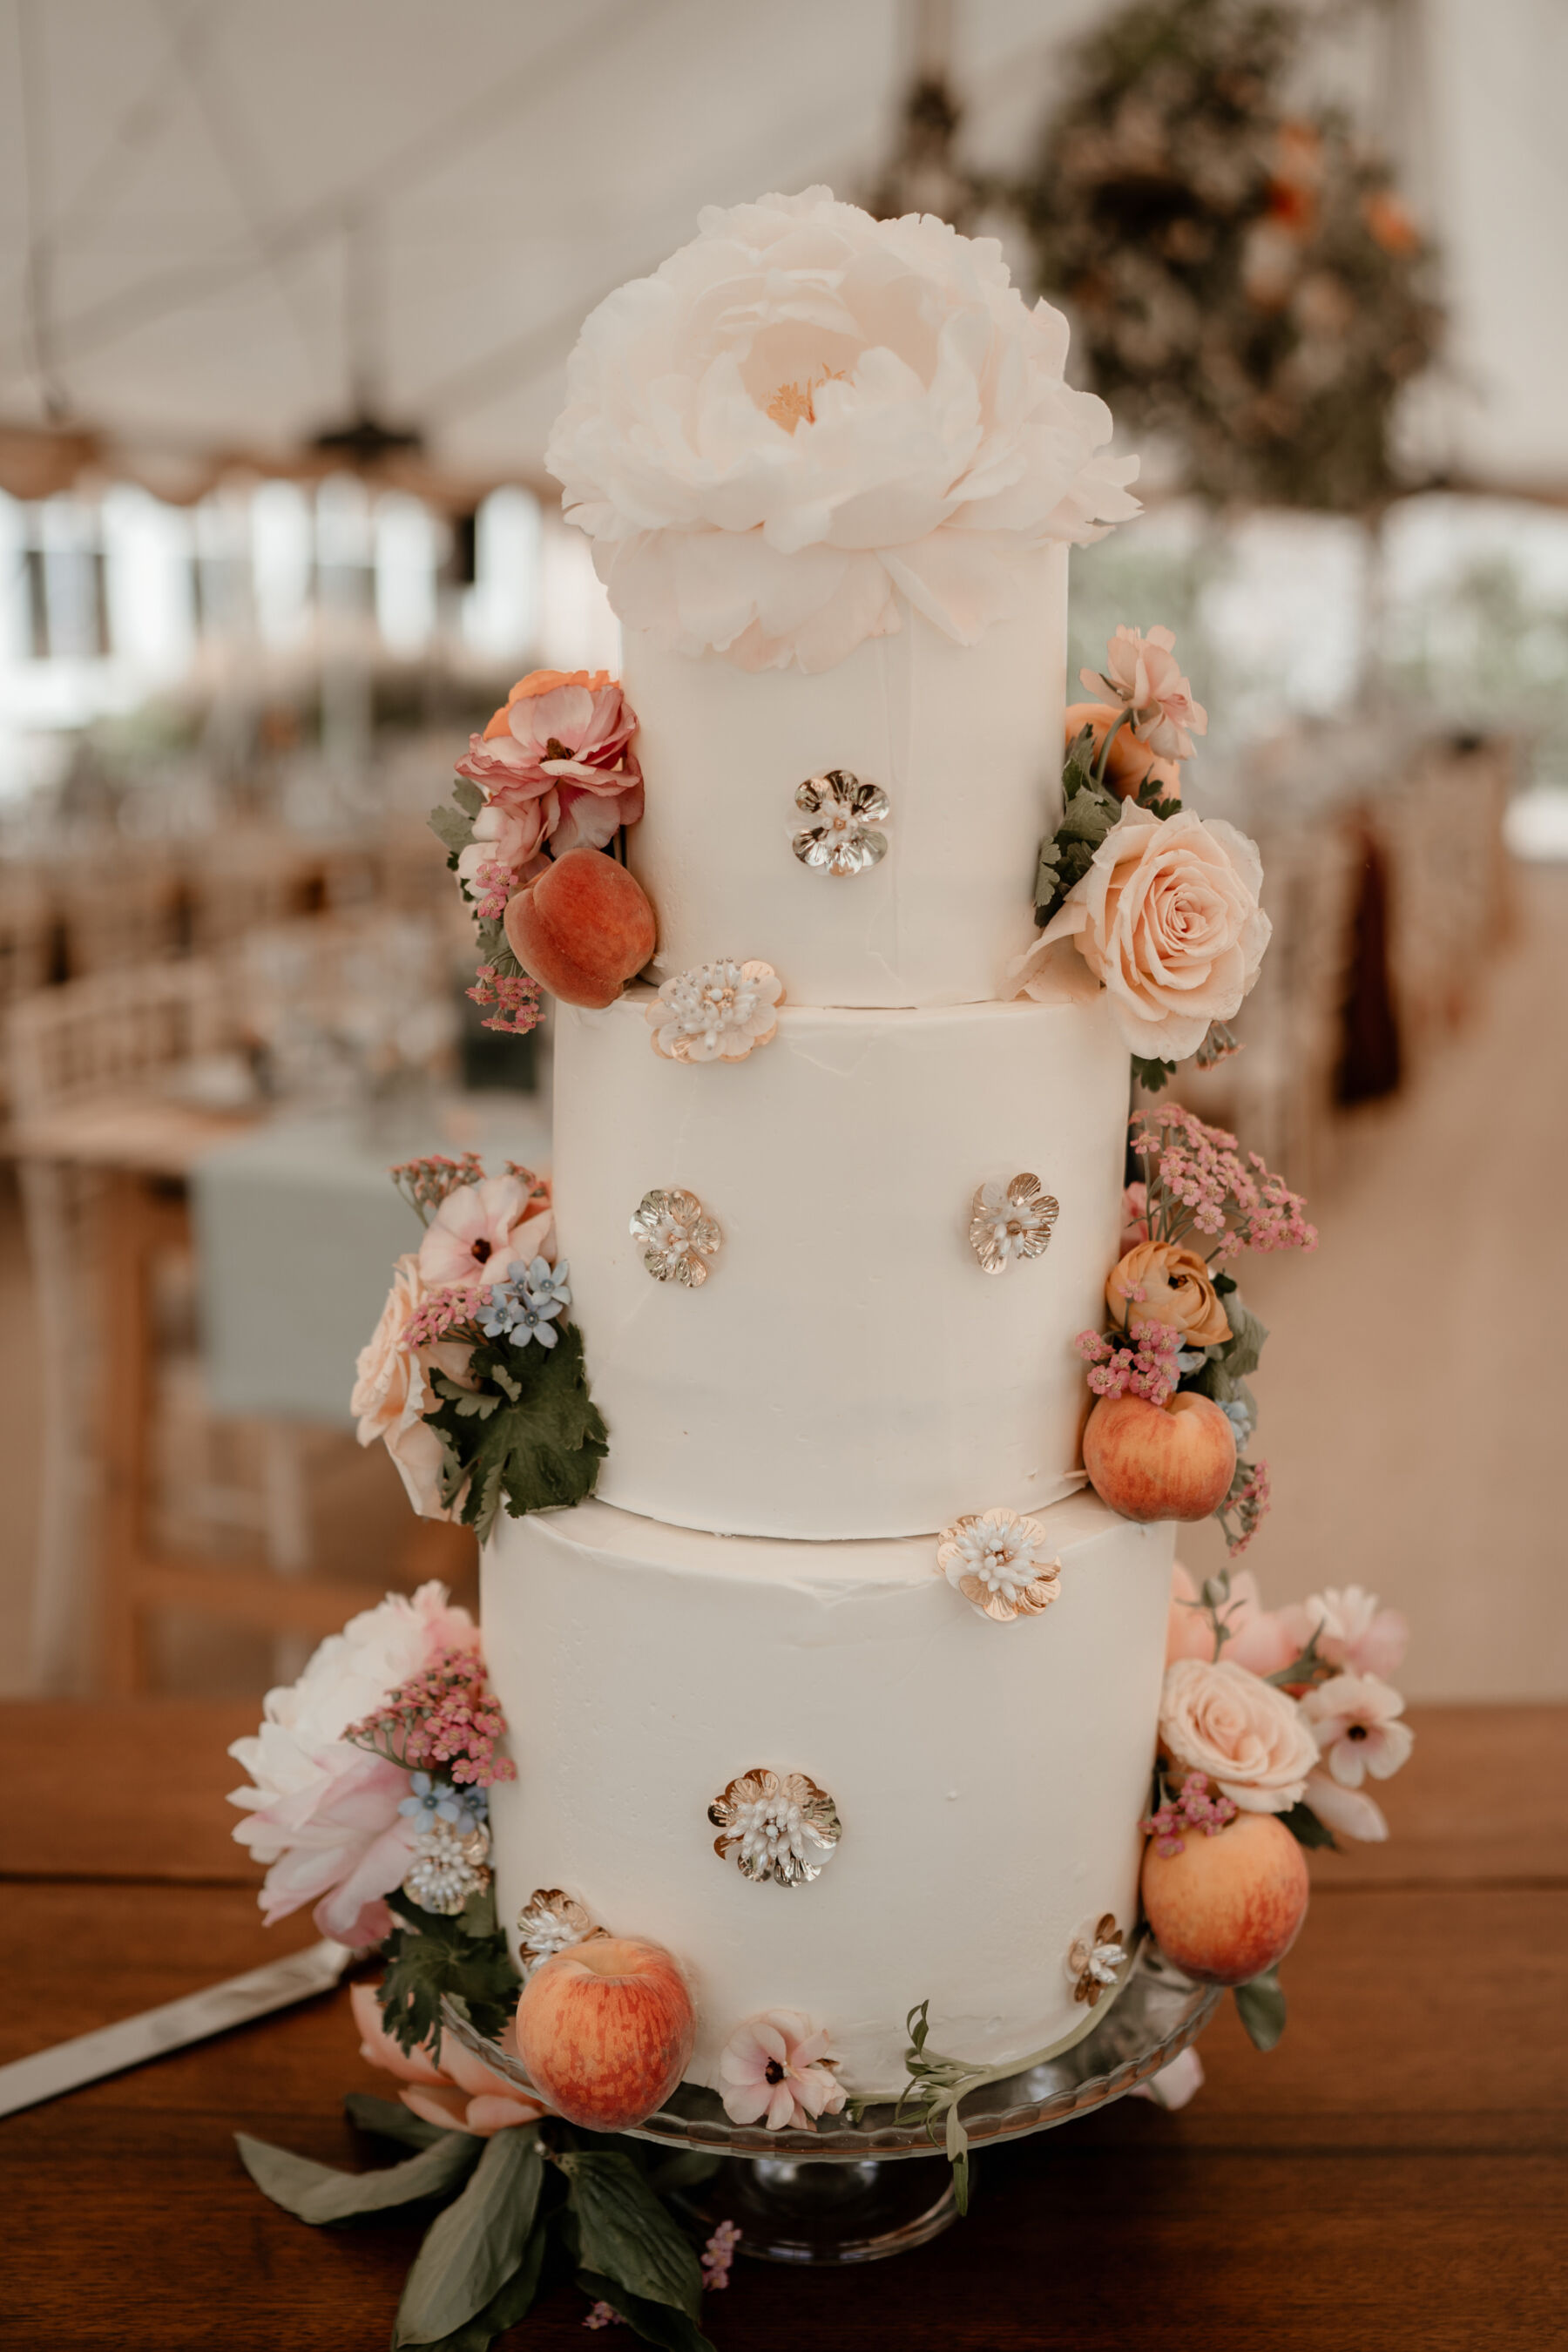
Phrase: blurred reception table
{"type": "Point", "coordinates": [1393, 2175]}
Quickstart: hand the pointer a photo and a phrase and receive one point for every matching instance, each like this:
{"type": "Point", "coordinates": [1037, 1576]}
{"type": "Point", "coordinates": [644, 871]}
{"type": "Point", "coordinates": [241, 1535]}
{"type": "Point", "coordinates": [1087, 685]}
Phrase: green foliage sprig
{"type": "Point", "coordinates": [428, 1957]}
{"type": "Point", "coordinates": [525, 1434]}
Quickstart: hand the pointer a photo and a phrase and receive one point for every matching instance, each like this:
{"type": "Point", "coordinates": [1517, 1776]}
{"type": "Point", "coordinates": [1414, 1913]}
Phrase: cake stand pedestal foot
{"type": "Point", "coordinates": [790, 2209]}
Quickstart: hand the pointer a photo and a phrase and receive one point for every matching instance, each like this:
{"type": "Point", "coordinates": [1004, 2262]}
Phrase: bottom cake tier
{"type": "Point", "coordinates": [987, 1777]}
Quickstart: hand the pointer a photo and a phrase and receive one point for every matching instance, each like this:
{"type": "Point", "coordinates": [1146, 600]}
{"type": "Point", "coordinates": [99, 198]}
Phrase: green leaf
{"type": "Point", "coordinates": [1261, 2005]}
{"type": "Point", "coordinates": [319, 2193]}
{"type": "Point", "coordinates": [467, 795]}
{"type": "Point", "coordinates": [473, 2249]}
{"type": "Point", "coordinates": [390, 2119]}
{"type": "Point", "coordinates": [1152, 1075]}
{"type": "Point", "coordinates": [1304, 1824]}
{"type": "Point", "coordinates": [626, 2235]}
{"type": "Point", "coordinates": [656, 2323]}
{"type": "Point", "coordinates": [1089, 816]}
{"type": "Point", "coordinates": [687, 2169]}
{"type": "Point", "coordinates": [541, 1451]}
{"type": "Point", "coordinates": [429, 1956]}
{"type": "Point", "coordinates": [451, 828]}
{"type": "Point", "coordinates": [509, 2303]}
{"type": "Point", "coordinates": [1241, 1351]}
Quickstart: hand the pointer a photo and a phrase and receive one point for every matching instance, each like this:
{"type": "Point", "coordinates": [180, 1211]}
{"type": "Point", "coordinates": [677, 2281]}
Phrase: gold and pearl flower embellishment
{"type": "Point", "coordinates": [717, 1011]}
{"type": "Point", "coordinates": [551, 1922]}
{"type": "Point", "coordinates": [1096, 1958]}
{"type": "Point", "coordinates": [996, 1561]}
{"type": "Point", "coordinates": [847, 836]}
{"type": "Point", "coordinates": [676, 1237]}
{"type": "Point", "coordinates": [1010, 1222]}
{"type": "Point", "coordinates": [777, 1826]}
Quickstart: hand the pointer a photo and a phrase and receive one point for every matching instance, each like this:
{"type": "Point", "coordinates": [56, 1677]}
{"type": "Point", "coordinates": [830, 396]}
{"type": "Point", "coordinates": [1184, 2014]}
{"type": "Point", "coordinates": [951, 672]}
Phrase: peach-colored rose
{"type": "Point", "coordinates": [1261, 1639]}
{"type": "Point", "coordinates": [1129, 762]}
{"type": "Point", "coordinates": [1245, 1736]}
{"type": "Point", "coordinates": [1160, 1282]}
{"type": "Point", "coordinates": [1167, 921]}
{"type": "Point", "coordinates": [392, 1391]}
{"type": "Point", "coordinates": [462, 2093]}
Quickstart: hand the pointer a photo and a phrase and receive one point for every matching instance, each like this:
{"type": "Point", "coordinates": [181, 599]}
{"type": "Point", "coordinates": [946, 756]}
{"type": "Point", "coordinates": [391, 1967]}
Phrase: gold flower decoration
{"type": "Point", "coordinates": [1010, 1222]}
{"type": "Point", "coordinates": [449, 1865]}
{"type": "Point", "coordinates": [676, 1236]}
{"type": "Point", "coordinates": [997, 1560]}
{"type": "Point", "coordinates": [1096, 1958]}
{"type": "Point", "coordinates": [847, 838]}
{"type": "Point", "coordinates": [776, 1825]}
{"type": "Point", "coordinates": [551, 1922]}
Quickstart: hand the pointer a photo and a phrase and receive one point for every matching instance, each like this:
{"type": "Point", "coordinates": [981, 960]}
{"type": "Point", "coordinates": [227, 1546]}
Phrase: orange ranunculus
{"type": "Point", "coordinates": [1132, 763]}
{"type": "Point", "coordinates": [1177, 1291]}
{"type": "Point", "coordinates": [544, 681]}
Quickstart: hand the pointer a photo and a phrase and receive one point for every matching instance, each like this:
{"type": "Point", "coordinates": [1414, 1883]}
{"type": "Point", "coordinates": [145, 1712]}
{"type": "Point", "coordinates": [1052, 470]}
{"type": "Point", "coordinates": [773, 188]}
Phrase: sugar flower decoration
{"type": "Point", "coordinates": [1142, 676]}
{"type": "Point", "coordinates": [777, 1826]}
{"type": "Point", "coordinates": [847, 836]}
{"type": "Point", "coordinates": [1356, 1720]}
{"type": "Point", "coordinates": [1096, 1958]}
{"type": "Point", "coordinates": [551, 1922]}
{"type": "Point", "coordinates": [997, 1560]}
{"type": "Point", "coordinates": [1238, 1732]}
{"type": "Point", "coordinates": [1010, 1222]}
{"type": "Point", "coordinates": [807, 416]}
{"type": "Point", "coordinates": [1167, 921]}
{"type": "Point", "coordinates": [717, 1013]}
{"type": "Point", "coordinates": [449, 1865]}
{"type": "Point", "coordinates": [676, 1237]}
{"type": "Point", "coordinates": [775, 2071]}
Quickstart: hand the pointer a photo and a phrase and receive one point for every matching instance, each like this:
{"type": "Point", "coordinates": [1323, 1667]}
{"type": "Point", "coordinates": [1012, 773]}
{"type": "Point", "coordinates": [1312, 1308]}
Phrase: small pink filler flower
{"type": "Point", "coordinates": [776, 2071]}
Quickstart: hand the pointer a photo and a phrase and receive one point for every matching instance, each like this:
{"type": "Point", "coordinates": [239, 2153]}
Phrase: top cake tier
{"type": "Point", "coordinates": [963, 744]}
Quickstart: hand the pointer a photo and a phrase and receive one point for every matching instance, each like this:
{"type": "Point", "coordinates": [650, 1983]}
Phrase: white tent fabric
{"type": "Point", "coordinates": [228, 222]}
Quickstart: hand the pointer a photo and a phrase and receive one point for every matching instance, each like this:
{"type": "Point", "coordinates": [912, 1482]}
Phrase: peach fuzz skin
{"type": "Point", "coordinates": [1227, 1906]}
{"type": "Point", "coordinates": [605, 2031]}
{"type": "Point", "coordinates": [582, 928]}
{"type": "Point", "coordinates": [1172, 1460]}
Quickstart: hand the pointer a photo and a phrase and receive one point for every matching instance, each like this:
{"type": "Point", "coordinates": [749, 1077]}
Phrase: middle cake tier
{"type": "Point", "coordinates": [845, 1365]}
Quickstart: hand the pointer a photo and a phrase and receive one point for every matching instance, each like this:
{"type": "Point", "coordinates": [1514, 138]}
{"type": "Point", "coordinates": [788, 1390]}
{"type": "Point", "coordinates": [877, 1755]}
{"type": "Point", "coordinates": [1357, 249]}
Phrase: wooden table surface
{"type": "Point", "coordinates": [1392, 2175]}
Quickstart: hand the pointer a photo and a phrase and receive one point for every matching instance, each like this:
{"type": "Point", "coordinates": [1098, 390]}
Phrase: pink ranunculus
{"type": "Point", "coordinates": [557, 738]}
{"type": "Point", "coordinates": [322, 1813]}
{"type": "Point", "coordinates": [775, 2071]}
{"type": "Point", "coordinates": [1144, 672]}
{"type": "Point", "coordinates": [461, 2094]}
{"type": "Point", "coordinates": [1262, 1639]}
{"type": "Point", "coordinates": [479, 1230]}
{"type": "Point", "coordinates": [1353, 1632]}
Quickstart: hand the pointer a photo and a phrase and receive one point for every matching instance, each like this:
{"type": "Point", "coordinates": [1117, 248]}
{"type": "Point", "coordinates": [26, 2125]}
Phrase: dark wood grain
{"type": "Point", "coordinates": [1393, 2175]}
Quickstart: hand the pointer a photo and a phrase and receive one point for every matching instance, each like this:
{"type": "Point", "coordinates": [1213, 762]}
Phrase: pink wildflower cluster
{"type": "Point", "coordinates": [426, 1184]}
{"type": "Point", "coordinates": [1194, 1809]}
{"type": "Point", "coordinates": [493, 884]}
{"type": "Point", "coordinates": [1249, 1499]}
{"type": "Point", "coordinates": [444, 1312]}
{"type": "Point", "coordinates": [1198, 1178]}
{"type": "Point", "coordinates": [1147, 1367]}
{"type": "Point", "coordinates": [718, 2255]}
{"type": "Point", "coordinates": [447, 1716]}
{"type": "Point", "coordinates": [603, 2314]}
{"type": "Point", "coordinates": [514, 996]}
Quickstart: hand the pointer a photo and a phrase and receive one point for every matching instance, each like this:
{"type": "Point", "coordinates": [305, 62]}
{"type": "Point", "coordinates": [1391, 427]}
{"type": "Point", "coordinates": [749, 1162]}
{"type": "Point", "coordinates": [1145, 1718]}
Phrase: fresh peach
{"type": "Point", "coordinates": [1227, 1906]}
{"type": "Point", "coordinates": [581, 927]}
{"type": "Point", "coordinates": [605, 2030]}
{"type": "Point", "coordinates": [1172, 1460]}
{"type": "Point", "coordinates": [1130, 764]}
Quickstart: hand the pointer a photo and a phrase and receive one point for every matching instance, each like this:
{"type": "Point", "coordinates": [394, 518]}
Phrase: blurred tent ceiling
{"type": "Point", "coordinates": [229, 225]}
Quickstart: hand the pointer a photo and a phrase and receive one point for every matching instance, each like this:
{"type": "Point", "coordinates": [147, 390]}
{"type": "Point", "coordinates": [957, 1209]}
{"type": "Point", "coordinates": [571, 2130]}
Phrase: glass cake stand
{"type": "Point", "coordinates": [842, 2193]}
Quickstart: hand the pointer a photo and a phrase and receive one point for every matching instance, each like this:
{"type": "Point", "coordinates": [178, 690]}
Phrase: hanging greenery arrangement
{"type": "Point", "coordinates": [1245, 281]}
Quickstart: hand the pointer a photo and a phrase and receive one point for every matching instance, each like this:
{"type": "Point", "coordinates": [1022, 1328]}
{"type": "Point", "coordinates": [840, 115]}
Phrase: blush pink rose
{"type": "Point", "coordinates": [1238, 1732]}
{"type": "Point", "coordinates": [462, 2093]}
{"type": "Point", "coordinates": [1261, 1640]}
{"type": "Point", "coordinates": [480, 1229]}
{"type": "Point", "coordinates": [392, 1391]}
{"type": "Point", "coordinates": [1167, 921]}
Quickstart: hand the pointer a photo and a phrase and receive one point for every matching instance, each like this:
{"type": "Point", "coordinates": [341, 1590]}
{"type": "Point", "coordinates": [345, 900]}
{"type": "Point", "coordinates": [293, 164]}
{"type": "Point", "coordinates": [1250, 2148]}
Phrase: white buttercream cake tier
{"type": "Point", "coordinates": [848, 1369]}
{"type": "Point", "coordinates": [963, 739]}
{"type": "Point", "coordinates": [989, 1777]}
